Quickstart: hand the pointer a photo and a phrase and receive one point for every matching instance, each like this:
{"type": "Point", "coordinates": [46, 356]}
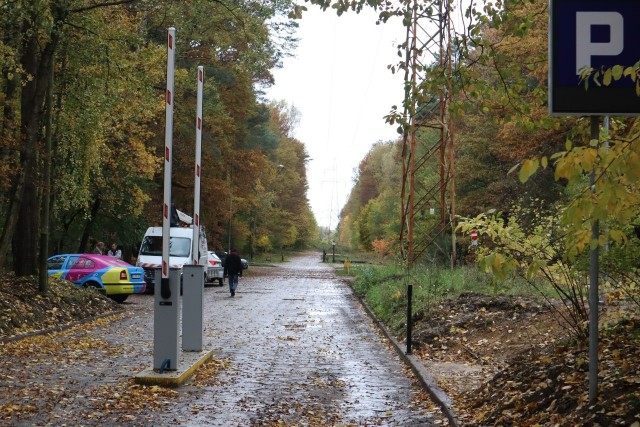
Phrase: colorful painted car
{"type": "Point", "coordinates": [114, 277]}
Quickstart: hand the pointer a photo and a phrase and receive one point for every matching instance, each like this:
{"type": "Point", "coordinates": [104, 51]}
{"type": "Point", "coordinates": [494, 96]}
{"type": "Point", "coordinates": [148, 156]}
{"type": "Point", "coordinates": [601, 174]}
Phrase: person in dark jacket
{"type": "Point", "coordinates": [233, 269]}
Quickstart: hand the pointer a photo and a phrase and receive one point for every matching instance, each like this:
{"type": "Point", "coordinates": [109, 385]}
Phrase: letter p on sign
{"type": "Point", "coordinates": [586, 47]}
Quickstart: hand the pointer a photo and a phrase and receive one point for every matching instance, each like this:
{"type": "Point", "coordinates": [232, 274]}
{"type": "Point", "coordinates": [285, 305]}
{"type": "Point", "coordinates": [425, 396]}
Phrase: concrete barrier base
{"type": "Point", "coordinates": [190, 361]}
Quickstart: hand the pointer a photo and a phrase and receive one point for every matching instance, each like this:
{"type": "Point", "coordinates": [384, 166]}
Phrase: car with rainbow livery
{"type": "Point", "coordinates": [115, 278]}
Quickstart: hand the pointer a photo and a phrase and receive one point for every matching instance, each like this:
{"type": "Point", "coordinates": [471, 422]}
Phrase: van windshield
{"type": "Point", "coordinates": [178, 246]}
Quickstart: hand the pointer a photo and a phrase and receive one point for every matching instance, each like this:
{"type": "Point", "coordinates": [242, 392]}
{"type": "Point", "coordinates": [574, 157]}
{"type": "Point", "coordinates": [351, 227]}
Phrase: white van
{"type": "Point", "coordinates": [150, 255]}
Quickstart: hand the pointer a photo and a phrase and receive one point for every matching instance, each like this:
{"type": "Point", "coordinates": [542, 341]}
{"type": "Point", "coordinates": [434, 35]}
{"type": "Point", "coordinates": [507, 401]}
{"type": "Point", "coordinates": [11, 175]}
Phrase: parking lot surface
{"type": "Point", "coordinates": [293, 347]}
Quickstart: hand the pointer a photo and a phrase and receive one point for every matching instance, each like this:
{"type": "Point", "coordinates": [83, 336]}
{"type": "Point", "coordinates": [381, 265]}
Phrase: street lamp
{"type": "Point", "coordinates": [280, 169]}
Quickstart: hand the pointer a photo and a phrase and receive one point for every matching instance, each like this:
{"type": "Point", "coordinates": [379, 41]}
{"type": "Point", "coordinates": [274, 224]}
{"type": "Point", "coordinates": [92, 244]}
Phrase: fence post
{"type": "Point", "coordinates": [409, 317]}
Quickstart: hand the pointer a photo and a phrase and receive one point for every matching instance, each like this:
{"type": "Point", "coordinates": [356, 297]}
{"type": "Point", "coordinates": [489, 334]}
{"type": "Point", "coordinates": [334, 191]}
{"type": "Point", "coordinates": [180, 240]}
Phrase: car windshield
{"type": "Point", "coordinates": [178, 246]}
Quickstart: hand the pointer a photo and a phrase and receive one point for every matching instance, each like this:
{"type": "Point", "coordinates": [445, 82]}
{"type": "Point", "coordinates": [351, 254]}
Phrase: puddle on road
{"type": "Point", "coordinates": [319, 313]}
{"type": "Point", "coordinates": [293, 326]}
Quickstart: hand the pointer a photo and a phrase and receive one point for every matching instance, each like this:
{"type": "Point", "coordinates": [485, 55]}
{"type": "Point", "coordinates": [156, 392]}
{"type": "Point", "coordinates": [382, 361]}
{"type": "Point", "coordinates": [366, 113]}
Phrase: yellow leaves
{"type": "Point", "coordinates": [12, 409]}
{"type": "Point", "coordinates": [573, 164]}
{"type": "Point", "coordinates": [497, 264]}
{"type": "Point", "coordinates": [617, 236]}
{"type": "Point", "coordinates": [529, 167]}
{"type": "Point", "coordinates": [606, 76]}
{"type": "Point", "coordinates": [589, 159]}
{"type": "Point", "coordinates": [456, 330]}
{"type": "Point", "coordinates": [209, 374]}
{"type": "Point", "coordinates": [534, 267]}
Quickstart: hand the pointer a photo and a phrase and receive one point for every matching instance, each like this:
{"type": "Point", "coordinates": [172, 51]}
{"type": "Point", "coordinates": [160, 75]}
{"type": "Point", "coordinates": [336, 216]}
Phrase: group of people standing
{"type": "Point", "coordinates": [113, 251]}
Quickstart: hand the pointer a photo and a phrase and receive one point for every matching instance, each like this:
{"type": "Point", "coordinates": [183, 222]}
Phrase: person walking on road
{"type": "Point", "coordinates": [233, 269]}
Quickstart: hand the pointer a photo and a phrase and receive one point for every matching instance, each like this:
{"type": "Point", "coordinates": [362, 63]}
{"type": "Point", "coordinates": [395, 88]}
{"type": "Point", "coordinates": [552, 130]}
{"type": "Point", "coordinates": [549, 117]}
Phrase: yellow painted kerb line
{"type": "Point", "coordinates": [173, 378]}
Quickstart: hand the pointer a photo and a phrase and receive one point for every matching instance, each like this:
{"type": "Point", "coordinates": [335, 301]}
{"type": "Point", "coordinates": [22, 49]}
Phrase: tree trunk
{"type": "Point", "coordinates": [8, 131]}
{"type": "Point", "coordinates": [44, 224]}
{"type": "Point", "coordinates": [38, 65]}
{"type": "Point", "coordinates": [11, 220]}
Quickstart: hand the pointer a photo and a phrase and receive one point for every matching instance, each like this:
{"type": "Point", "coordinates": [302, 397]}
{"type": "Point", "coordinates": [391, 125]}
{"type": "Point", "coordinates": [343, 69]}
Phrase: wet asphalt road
{"type": "Point", "coordinates": [297, 346]}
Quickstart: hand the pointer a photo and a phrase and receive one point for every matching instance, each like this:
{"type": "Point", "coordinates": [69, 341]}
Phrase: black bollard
{"type": "Point", "coordinates": [409, 317]}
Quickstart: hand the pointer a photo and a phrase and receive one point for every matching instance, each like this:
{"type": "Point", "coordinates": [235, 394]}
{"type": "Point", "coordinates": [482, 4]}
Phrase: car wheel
{"type": "Point", "coordinates": [205, 281]}
{"type": "Point", "coordinates": [220, 282]}
{"type": "Point", "coordinates": [94, 285]}
{"type": "Point", "coordinates": [119, 298]}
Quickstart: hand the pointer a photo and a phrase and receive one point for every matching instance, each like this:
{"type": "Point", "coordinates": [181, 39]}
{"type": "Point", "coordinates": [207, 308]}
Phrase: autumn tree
{"type": "Point", "coordinates": [108, 61]}
{"type": "Point", "coordinates": [372, 210]}
{"type": "Point", "coordinates": [106, 118]}
{"type": "Point", "coordinates": [39, 29]}
{"type": "Point", "coordinates": [235, 46]}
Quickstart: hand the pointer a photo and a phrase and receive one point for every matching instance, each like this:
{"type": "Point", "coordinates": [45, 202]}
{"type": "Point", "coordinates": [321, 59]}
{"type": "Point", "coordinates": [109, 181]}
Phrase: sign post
{"type": "Point", "coordinates": [195, 242]}
{"type": "Point", "coordinates": [593, 35]}
{"type": "Point", "coordinates": [166, 311]}
{"type": "Point", "coordinates": [193, 300]}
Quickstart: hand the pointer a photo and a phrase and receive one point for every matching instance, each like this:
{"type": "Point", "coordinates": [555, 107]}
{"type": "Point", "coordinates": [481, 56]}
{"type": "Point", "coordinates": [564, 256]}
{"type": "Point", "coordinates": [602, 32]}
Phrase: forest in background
{"type": "Point", "coordinates": [82, 89]}
{"type": "Point", "coordinates": [532, 185]}
{"type": "Point", "coordinates": [510, 154]}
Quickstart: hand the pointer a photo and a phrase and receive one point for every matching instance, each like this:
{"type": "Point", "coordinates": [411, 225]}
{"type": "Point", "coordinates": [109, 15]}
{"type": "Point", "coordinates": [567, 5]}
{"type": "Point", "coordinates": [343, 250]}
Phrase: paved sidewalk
{"type": "Point", "coordinates": [298, 347]}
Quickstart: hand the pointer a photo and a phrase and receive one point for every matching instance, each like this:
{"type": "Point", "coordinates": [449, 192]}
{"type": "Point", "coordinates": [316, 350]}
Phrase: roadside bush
{"type": "Point", "coordinates": [384, 288]}
{"type": "Point", "coordinates": [530, 245]}
{"type": "Point", "coordinates": [620, 270]}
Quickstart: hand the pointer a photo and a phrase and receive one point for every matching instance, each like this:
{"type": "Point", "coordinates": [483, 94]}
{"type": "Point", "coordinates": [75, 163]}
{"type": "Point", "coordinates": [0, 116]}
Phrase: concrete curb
{"type": "Point", "coordinates": [425, 378]}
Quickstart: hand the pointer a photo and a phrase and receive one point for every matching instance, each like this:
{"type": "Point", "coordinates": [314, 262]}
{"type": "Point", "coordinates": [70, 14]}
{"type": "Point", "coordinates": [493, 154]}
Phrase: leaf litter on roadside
{"type": "Point", "coordinates": [23, 309]}
{"type": "Point", "coordinates": [506, 361]}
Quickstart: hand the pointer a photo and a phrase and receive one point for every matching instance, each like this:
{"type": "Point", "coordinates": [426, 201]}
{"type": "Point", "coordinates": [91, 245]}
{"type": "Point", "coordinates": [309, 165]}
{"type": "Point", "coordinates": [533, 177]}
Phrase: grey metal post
{"type": "Point", "coordinates": [409, 318]}
{"type": "Point", "coordinates": [166, 323]}
{"type": "Point", "coordinates": [192, 313]}
{"type": "Point", "coordinates": [333, 244]}
{"type": "Point", "coordinates": [593, 287]}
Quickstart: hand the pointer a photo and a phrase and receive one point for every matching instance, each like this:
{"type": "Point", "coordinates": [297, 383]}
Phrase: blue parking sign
{"type": "Point", "coordinates": [598, 34]}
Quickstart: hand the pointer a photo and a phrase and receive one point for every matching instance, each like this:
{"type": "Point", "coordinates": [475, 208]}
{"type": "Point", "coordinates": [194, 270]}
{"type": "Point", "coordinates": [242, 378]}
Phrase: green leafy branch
{"type": "Point", "coordinates": [604, 76]}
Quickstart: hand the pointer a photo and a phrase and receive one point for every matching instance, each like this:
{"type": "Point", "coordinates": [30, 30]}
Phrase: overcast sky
{"type": "Point", "coordinates": [340, 83]}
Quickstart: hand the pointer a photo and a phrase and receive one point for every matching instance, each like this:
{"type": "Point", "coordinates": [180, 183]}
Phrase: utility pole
{"type": "Point", "coordinates": [425, 116]}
